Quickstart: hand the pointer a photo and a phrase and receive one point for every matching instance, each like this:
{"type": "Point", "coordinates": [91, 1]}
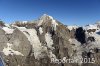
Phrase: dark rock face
{"type": "Point", "coordinates": [46, 43]}
{"type": "Point", "coordinates": [92, 39]}
{"type": "Point", "coordinates": [80, 35]}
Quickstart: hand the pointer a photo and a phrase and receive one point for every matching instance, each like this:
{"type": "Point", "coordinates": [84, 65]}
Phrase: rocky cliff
{"type": "Point", "coordinates": [47, 42]}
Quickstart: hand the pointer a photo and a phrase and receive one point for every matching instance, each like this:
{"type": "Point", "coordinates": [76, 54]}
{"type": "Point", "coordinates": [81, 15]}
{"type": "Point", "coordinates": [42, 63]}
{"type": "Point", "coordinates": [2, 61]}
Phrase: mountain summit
{"type": "Point", "coordinates": [45, 17]}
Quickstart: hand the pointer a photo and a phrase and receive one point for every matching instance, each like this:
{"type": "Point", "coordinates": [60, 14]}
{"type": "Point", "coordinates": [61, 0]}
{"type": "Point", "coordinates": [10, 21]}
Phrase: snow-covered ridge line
{"type": "Point", "coordinates": [72, 27]}
{"type": "Point", "coordinates": [90, 27]}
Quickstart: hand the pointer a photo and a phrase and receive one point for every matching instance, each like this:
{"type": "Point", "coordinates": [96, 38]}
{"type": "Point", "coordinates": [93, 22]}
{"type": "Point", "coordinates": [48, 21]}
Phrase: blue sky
{"type": "Point", "coordinates": [69, 12]}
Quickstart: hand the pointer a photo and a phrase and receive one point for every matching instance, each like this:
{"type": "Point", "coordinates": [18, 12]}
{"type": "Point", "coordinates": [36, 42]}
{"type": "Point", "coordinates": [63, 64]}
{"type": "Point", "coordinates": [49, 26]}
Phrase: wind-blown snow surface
{"type": "Point", "coordinates": [40, 30]}
{"type": "Point", "coordinates": [9, 51]}
{"type": "Point", "coordinates": [49, 40]}
{"type": "Point", "coordinates": [8, 30]}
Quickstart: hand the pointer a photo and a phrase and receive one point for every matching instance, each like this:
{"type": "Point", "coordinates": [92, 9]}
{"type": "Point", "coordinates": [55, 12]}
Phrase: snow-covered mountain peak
{"type": "Point", "coordinates": [46, 17]}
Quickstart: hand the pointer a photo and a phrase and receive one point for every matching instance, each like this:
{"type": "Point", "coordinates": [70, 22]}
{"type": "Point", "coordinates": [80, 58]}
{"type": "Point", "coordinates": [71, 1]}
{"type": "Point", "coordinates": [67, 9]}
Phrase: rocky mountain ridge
{"type": "Point", "coordinates": [44, 41]}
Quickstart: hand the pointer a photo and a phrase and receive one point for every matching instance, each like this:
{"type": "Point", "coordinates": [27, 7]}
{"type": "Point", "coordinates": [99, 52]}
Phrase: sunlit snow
{"type": "Point", "coordinates": [9, 51]}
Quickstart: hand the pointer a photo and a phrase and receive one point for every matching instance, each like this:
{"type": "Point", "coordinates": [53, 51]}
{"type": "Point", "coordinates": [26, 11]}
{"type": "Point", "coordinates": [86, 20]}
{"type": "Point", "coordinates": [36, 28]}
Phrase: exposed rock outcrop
{"type": "Point", "coordinates": [47, 42]}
